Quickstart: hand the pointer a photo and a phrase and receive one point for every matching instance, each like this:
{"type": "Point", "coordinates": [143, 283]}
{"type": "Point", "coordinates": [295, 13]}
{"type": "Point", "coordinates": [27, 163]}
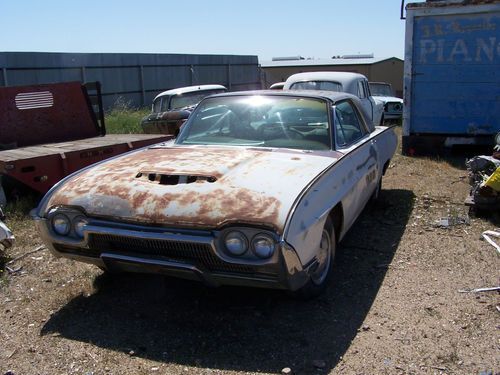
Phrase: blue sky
{"type": "Point", "coordinates": [310, 28]}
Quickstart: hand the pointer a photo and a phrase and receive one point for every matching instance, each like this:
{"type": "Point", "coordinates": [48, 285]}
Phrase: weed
{"type": "Point", "coordinates": [123, 119]}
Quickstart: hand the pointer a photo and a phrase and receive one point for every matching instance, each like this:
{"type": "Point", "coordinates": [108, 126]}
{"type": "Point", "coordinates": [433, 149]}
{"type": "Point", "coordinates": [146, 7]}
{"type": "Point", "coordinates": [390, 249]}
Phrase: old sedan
{"type": "Point", "coordinates": [171, 108]}
{"type": "Point", "coordinates": [257, 190]}
{"type": "Point", "coordinates": [352, 83]}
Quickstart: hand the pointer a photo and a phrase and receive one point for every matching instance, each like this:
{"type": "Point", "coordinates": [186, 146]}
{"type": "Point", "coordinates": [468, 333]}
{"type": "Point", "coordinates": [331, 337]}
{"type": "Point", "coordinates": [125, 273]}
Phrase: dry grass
{"type": "Point", "coordinates": [393, 306]}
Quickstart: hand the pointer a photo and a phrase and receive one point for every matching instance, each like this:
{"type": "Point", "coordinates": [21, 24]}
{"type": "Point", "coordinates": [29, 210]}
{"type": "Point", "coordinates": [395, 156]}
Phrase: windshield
{"type": "Point", "coordinates": [317, 85]}
{"type": "Point", "coordinates": [381, 89]}
{"type": "Point", "coordinates": [190, 99]}
{"type": "Point", "coordinates": [263, 121]}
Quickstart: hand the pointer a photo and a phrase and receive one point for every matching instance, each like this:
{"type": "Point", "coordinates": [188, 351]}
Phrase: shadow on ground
{"type": "Point", "coordinates": [244, 329]}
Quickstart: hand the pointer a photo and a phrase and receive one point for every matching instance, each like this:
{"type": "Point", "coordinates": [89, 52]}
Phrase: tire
{"type": "Point", "coordinates": [319, 278]}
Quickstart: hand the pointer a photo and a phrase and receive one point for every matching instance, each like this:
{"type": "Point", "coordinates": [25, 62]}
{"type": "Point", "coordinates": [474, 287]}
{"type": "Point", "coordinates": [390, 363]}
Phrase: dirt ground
{"type": "Point", "coordinates": [393, 306]}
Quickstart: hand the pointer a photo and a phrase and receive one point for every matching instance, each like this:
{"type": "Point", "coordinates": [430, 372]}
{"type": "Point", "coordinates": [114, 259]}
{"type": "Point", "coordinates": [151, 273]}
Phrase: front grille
{"type": "Point", "coordinates": [189, 252]}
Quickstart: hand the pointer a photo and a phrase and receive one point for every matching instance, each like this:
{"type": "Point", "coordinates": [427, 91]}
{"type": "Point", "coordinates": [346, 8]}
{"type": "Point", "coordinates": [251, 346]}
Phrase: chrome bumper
{"type": "Point", "coordinates": [282, 271]}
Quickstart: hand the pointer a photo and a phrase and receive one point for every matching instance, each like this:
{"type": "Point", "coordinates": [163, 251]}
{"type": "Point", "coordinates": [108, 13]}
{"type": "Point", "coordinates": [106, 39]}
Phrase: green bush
{"type": "Point", "coordinates": [123, 119]}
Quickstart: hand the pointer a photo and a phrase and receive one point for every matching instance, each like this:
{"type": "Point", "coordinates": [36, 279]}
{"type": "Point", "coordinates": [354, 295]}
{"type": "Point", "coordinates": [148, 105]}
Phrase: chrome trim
{"type": "Point", "coordinates": [166, 235]}
{"type": "Point", "coordinates": [284, 268]}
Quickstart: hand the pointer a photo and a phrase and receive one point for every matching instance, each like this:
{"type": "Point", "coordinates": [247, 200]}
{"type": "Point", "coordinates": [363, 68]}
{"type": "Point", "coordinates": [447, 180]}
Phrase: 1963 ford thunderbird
{"type": "Point", "coordinates": [257, 190]}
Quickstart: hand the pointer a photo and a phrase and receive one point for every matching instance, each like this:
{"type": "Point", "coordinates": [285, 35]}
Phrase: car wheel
{"type": "Point", "coordinates": [320, 275]}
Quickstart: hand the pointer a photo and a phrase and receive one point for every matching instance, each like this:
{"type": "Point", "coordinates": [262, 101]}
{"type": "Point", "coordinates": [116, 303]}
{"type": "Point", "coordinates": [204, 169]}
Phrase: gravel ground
{"type": "Point", "coordinates": [393, 307]}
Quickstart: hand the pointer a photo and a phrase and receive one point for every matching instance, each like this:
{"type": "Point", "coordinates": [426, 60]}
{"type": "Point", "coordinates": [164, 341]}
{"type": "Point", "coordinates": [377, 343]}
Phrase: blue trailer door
{"type": "Point", "coordinates": [455, 74]}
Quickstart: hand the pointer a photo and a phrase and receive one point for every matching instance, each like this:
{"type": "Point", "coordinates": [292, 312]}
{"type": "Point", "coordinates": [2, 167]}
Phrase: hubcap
{"type": "Point", "coordinates": [323, 258]}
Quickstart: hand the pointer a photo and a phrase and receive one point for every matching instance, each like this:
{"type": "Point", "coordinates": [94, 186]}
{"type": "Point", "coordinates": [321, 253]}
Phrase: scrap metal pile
{"type": "Point", "coordinates": [484, 178]}
{"type": "Point", "coordinates": [6, 236]}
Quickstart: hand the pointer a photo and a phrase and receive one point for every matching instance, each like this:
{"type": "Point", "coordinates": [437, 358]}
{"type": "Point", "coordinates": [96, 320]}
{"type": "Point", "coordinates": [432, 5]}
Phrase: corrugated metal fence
{"type": "Point", "coordinates": [134, 78]}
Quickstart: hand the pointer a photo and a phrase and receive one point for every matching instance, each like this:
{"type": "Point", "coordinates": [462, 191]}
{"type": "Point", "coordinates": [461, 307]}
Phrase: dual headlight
{"type": "Point", "coordinates": [63, 225]}
{"type": "Point", "coordinates": [261, 245]}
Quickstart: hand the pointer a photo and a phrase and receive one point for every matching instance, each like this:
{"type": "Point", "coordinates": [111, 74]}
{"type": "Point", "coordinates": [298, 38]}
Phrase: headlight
{"type": "Point", "coordinates": [263, 246]}
{"type": "Point", "coordinates": [61, 224]}
{"type": "Point", "coordinates": [79, 223]}
{"type": "Point", "coordinates": [236, 243]}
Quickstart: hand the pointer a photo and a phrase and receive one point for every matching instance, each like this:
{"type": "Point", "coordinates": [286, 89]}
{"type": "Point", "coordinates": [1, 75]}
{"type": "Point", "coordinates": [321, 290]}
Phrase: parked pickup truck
{"type": "Point", "coordinates": [393, 106]}
{"type": "Point", "coordinates": [50, 131]}
{"type": "Point", "coordinates": [351, 83]}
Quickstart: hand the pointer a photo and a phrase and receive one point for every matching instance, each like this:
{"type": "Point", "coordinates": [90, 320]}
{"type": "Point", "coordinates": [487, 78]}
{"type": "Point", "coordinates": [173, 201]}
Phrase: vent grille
{"type": "Point", "coordinates": [194, 253]}
{"type": "Point", "coordinates": [166, 179]}
{"type": "Point", "coordinates": [31, 100]}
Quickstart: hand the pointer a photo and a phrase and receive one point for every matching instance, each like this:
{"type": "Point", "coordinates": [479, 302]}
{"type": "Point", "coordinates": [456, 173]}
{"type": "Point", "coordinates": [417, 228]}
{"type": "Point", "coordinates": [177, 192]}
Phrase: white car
{"type": "Point", "coordinates": [393, 106]}
{"type": "Point", "coordinates": [257, 190]}
{"type": "Point", "coordinates": [352, 83]}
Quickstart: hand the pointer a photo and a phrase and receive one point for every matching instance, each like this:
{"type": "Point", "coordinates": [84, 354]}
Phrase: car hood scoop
{"type": "Point", "coordinates": [173, 179]}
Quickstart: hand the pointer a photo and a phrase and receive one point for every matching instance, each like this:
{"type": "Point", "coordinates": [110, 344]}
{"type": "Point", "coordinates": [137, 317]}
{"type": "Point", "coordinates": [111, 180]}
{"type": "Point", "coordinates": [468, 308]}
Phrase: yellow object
{"type": "Point", "coordinates": [494, 180]}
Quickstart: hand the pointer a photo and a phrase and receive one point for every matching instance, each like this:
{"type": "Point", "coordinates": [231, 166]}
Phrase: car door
{"type": "Point", "coordinates": [352, 137]}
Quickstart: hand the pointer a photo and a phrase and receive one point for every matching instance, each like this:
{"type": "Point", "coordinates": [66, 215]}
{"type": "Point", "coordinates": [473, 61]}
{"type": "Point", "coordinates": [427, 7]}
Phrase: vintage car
{"type": "Point", "coordinates": [393, 106]}
{"type": "Point", "coordinates": [277, 86]}
{"type": "Point", "coordinates": [352, 83]}
{"type": "Point", "coordinates": [257, 190]}
{"type": "Point", "coordinates": [170, 109]}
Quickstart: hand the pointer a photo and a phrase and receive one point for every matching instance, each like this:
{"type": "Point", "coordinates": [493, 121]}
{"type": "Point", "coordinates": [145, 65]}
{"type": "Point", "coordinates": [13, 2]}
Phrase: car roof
{"type": "Point", "coordinates": [341, 77]}
{"type": "Point", "coordinates": [183, 90]}
{"type": "Point", "coordinates": [333, 96]}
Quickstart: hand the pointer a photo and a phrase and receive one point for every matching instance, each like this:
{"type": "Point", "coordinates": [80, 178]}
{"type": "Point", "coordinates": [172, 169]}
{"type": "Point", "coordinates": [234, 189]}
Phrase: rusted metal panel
{"type": "Point", "coordinates": [212, 187]}
{"type": "Point", "coordinates": [39, 114]}
{"type": "Point", "coordinates": [40, 167]}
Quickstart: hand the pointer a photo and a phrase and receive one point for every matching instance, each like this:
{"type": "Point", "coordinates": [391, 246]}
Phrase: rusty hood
{"type": "Point", "coordinates": [195, 186]}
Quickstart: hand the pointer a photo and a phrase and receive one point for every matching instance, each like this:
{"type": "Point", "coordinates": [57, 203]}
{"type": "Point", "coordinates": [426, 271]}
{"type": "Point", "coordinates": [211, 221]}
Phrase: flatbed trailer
{"type": "Point", "coordinates": [50, 131]}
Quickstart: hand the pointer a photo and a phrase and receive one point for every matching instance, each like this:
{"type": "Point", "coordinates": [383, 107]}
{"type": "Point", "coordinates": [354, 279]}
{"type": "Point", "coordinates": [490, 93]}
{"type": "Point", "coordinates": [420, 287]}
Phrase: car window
{"type": "Point", "coordinates": [165, 103]}
{"type": "Point", "coordinates": [317, 85]}
{"type": "Point", "coordinates": [348, 127]}
{"type": "Point", "coordinates": [259, 120]}
{"type": "Point", "coordinates": [156, 105]}
{"type": "Point", "coordinates": [367, 89]}
{"type": "Point", "coordinates": [361, 90]}
{"type": "Point", "coordinates": [380, 89]}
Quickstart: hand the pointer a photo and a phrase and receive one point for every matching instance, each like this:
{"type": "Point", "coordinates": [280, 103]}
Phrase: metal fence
{"type": "Point", "coordinates": [134, 79]}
